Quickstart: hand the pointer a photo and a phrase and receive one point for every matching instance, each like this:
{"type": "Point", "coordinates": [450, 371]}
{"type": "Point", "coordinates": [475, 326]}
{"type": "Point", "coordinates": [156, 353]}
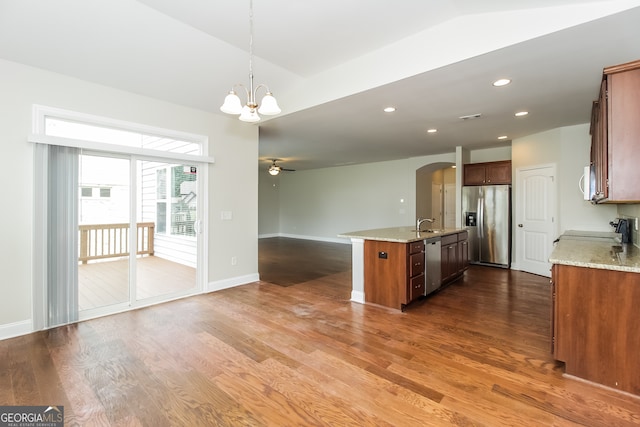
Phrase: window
{"type": "Point", "coordinates": [91, 132]}
{"type": "Point", "coordinates": [182, 188]}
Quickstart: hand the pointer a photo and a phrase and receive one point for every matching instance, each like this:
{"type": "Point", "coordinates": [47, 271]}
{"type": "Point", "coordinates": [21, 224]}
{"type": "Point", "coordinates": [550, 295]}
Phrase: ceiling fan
{"type": "Point", "coordinates": [275, 169]}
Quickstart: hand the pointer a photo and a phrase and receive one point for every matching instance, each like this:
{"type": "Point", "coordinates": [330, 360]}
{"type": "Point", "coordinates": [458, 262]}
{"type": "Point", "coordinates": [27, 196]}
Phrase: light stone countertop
{"type": "Point", "coordinates": [600, 250]}
{"type": "Point", "coordinates": [399, 234]}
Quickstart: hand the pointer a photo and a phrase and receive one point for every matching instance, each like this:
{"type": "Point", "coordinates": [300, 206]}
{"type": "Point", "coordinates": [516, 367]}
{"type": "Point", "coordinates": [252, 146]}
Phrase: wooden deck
{"type": "Point", "coordinates": [474, 354]}
{"type": "Point", "coordinates": [107, 282]}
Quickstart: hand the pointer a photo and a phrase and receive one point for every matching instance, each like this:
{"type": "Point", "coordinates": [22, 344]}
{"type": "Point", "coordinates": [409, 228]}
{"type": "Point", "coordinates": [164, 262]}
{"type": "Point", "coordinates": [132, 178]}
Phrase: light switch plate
{"type": "Point", "coordinates": [226, 215]}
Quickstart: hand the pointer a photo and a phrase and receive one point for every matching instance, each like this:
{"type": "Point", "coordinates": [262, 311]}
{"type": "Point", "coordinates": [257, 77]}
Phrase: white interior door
{"type": "Point", "coordinates": [535, 218]}
{"type": "Point", "coordinates": [449, 205]}
{"type": "Point", "coordinates": [436, 205]}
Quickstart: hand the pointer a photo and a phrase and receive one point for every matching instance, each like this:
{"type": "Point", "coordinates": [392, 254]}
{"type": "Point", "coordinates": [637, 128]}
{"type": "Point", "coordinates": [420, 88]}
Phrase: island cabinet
{"type": "Point", "coordinates": [615, 136]}
{"type": "Point", "coordinates": [463, 251]}
{"type": "Point", "coordinates": [454, 255]}
{"type": "Point", "coordinates": [595, 325]}
{"type": "Point", "coordinates": [393, 272]}
{"type": "Point", "coordinates": [489, 173]}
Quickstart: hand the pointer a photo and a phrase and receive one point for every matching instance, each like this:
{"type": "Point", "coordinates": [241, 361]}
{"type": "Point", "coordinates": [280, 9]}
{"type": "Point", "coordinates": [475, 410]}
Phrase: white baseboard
{"type": "Point", "coordinates": [267, 236]}
{"type": "Point", "coordinates": [219, 285]}
{"type": "Point", "coordinates": [303, 237]}
{"type": "Point", "coordinates": [16, 329]}
{"type": "Point", "coordinates": [357, 296]}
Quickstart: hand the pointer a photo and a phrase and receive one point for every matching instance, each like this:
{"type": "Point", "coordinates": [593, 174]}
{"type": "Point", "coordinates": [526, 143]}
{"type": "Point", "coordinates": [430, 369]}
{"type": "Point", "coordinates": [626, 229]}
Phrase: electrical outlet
{"type": "Point", "coordinates": [234, 260]}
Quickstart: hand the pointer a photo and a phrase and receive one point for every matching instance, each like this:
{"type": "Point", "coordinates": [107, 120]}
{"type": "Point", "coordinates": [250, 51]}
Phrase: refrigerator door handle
{"type": "Point", "coordinates": [480, 211]}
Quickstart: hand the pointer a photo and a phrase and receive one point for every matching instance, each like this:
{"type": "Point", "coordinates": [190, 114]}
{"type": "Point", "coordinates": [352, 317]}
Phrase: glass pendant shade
{"type": "Point", "coordinates": [274, 170]}
{"type": "Point", "coordinates": [269, 105]}
{"type": "Point", "coordinates": [249, 115]}
{"type": "Point", "coordinates": [231, 104]}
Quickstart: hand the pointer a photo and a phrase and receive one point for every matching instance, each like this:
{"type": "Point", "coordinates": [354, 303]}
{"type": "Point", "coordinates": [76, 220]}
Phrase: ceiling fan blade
{"type": "Point", "coordinates": [287, 170]}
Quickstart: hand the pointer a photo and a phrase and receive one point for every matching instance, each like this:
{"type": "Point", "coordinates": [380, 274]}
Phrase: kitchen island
{"type": "Point", "coordinates": [394, 266]}
{"type": "Point", "coordinates": [595, 320]}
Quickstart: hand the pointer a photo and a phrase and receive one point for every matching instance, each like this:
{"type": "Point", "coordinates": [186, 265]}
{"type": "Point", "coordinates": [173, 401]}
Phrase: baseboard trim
{"type": "Point", "coordinates": [357, 296]}
{"type": "Point", "coordinates": [267, 236]}
{"type": "Point", "coordinates": [304, 237]}
{"type": "Point", "coordinates": [11, 330]}
{"type": "Point", "coordinates": [232, 282]}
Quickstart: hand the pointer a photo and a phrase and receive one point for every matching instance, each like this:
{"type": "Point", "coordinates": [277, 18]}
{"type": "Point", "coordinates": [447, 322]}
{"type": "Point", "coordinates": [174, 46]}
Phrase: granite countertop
{"type": "Point", "coordinates": [600, 250]}
{"type": "Point", "coordinates": [399, 234]}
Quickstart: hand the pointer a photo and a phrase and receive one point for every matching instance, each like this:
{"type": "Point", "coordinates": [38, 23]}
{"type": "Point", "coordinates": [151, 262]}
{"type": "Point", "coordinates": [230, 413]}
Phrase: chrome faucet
{"type": "Point", "coordinates": [419, 222]}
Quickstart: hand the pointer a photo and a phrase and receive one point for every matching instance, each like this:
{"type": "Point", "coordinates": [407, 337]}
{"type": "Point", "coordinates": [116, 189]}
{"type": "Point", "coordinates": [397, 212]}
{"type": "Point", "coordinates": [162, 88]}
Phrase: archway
{"type": "Point", "coordinates": [435, 193]}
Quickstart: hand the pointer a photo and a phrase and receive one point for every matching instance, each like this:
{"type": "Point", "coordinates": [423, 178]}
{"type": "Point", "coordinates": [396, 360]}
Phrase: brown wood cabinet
{"type": "Point", "coordinates": [594, 325]}
{"type": "Point", "coordinates": [454, 256]}
{"type": "Point", "coordinates": [463, 251]}
{"type": "Point", "coordinates": [487, 173]}
{"type": "Point", "coordinates": [615, 136]}
{"type": "Point", "coordinates": [393, 272]}
{"type": "Point", "coordinates": [449, 257]}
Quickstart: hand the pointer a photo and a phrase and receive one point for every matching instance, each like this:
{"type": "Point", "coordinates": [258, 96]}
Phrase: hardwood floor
{"type": "Point", "coordinates": [105, 283]}
{"type": "Point", "coordinates": [476, 353]}
{"type": "Point", "coordinates": [285, 262]}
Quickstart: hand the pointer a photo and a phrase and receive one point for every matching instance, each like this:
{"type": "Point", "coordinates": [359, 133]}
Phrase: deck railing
{"type": "Point", "coordinates": [99, 241]}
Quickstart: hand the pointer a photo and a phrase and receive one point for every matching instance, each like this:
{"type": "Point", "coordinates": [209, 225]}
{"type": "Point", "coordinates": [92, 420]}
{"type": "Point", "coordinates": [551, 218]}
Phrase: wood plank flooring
{"type": "Point", "coordinates": [476, 353]}
{"type": "Point", "coordinates": [285, 262]}
{"type": "Point", "coordinates": [107, 282]}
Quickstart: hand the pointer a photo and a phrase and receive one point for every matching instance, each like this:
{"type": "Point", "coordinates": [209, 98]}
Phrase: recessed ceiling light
{"type": "Point", "coordinates": [432, 130]}
{"type": "Point", "coordinates": [501, 82]}
{"type": "Point", "coordinates": [502, 137]}
{"type": "Point", "coordinates": [390, 109]}
{"type": "Point", "coordinates": [521, 113]}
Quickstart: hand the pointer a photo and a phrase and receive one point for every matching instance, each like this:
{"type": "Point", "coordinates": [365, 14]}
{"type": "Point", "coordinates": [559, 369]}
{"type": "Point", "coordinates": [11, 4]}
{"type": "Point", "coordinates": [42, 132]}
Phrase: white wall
{"type": "Point", "coordinates": [268, 203]}
{"type": "Point", "coordinates": [490, 154]}
{"type": "Point", "coordinates": [232, 179]}
{"type": "Point", "coordinates": [321, 203]}
{"type": "Point", "coordinates": [568, 148]}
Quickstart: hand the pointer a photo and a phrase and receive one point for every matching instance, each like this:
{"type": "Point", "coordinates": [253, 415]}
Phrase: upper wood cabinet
{"type": "Point", "coordinates": [615, 136]}
{"type": "Point", "coordinates": [487, 173]}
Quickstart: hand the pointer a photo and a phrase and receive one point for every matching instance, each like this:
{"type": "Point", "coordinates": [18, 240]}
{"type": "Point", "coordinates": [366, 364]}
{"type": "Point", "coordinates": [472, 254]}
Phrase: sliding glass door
{"type": "Point", "coordinates": [167, 205]}
{"type": "Point", "coordinates": [118, 208]}
{"type": "Point", "coordinates": [104, 217]}
{"type": "Point", "coordinates": [138, 222]}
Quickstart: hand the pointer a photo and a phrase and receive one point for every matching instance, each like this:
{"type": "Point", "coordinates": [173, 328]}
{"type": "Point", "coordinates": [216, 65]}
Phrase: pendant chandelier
{"type": "Point", "coordinates": [249, 112]}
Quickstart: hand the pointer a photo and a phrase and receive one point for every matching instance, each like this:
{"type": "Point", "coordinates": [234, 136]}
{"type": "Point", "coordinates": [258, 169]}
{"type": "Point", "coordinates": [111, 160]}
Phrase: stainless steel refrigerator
{"type": "Point", "coordinates": [486, 212]}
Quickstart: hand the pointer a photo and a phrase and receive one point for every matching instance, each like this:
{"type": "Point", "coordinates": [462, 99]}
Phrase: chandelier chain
{"type": "Point", "coordinates": [251, 100]}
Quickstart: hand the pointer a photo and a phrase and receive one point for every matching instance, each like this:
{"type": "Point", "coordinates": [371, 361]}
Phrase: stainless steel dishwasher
{"type": "Point", "coordinates": [432, 256]}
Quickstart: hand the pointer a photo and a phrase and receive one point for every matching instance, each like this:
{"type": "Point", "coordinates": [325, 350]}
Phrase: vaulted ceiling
{"type": "Point", "coordinates": [335, 64]}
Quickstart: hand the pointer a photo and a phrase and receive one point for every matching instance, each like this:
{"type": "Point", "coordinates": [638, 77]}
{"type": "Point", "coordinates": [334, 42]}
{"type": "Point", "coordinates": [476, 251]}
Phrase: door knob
{"type": "Point", "coordinates": [520, 225]}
